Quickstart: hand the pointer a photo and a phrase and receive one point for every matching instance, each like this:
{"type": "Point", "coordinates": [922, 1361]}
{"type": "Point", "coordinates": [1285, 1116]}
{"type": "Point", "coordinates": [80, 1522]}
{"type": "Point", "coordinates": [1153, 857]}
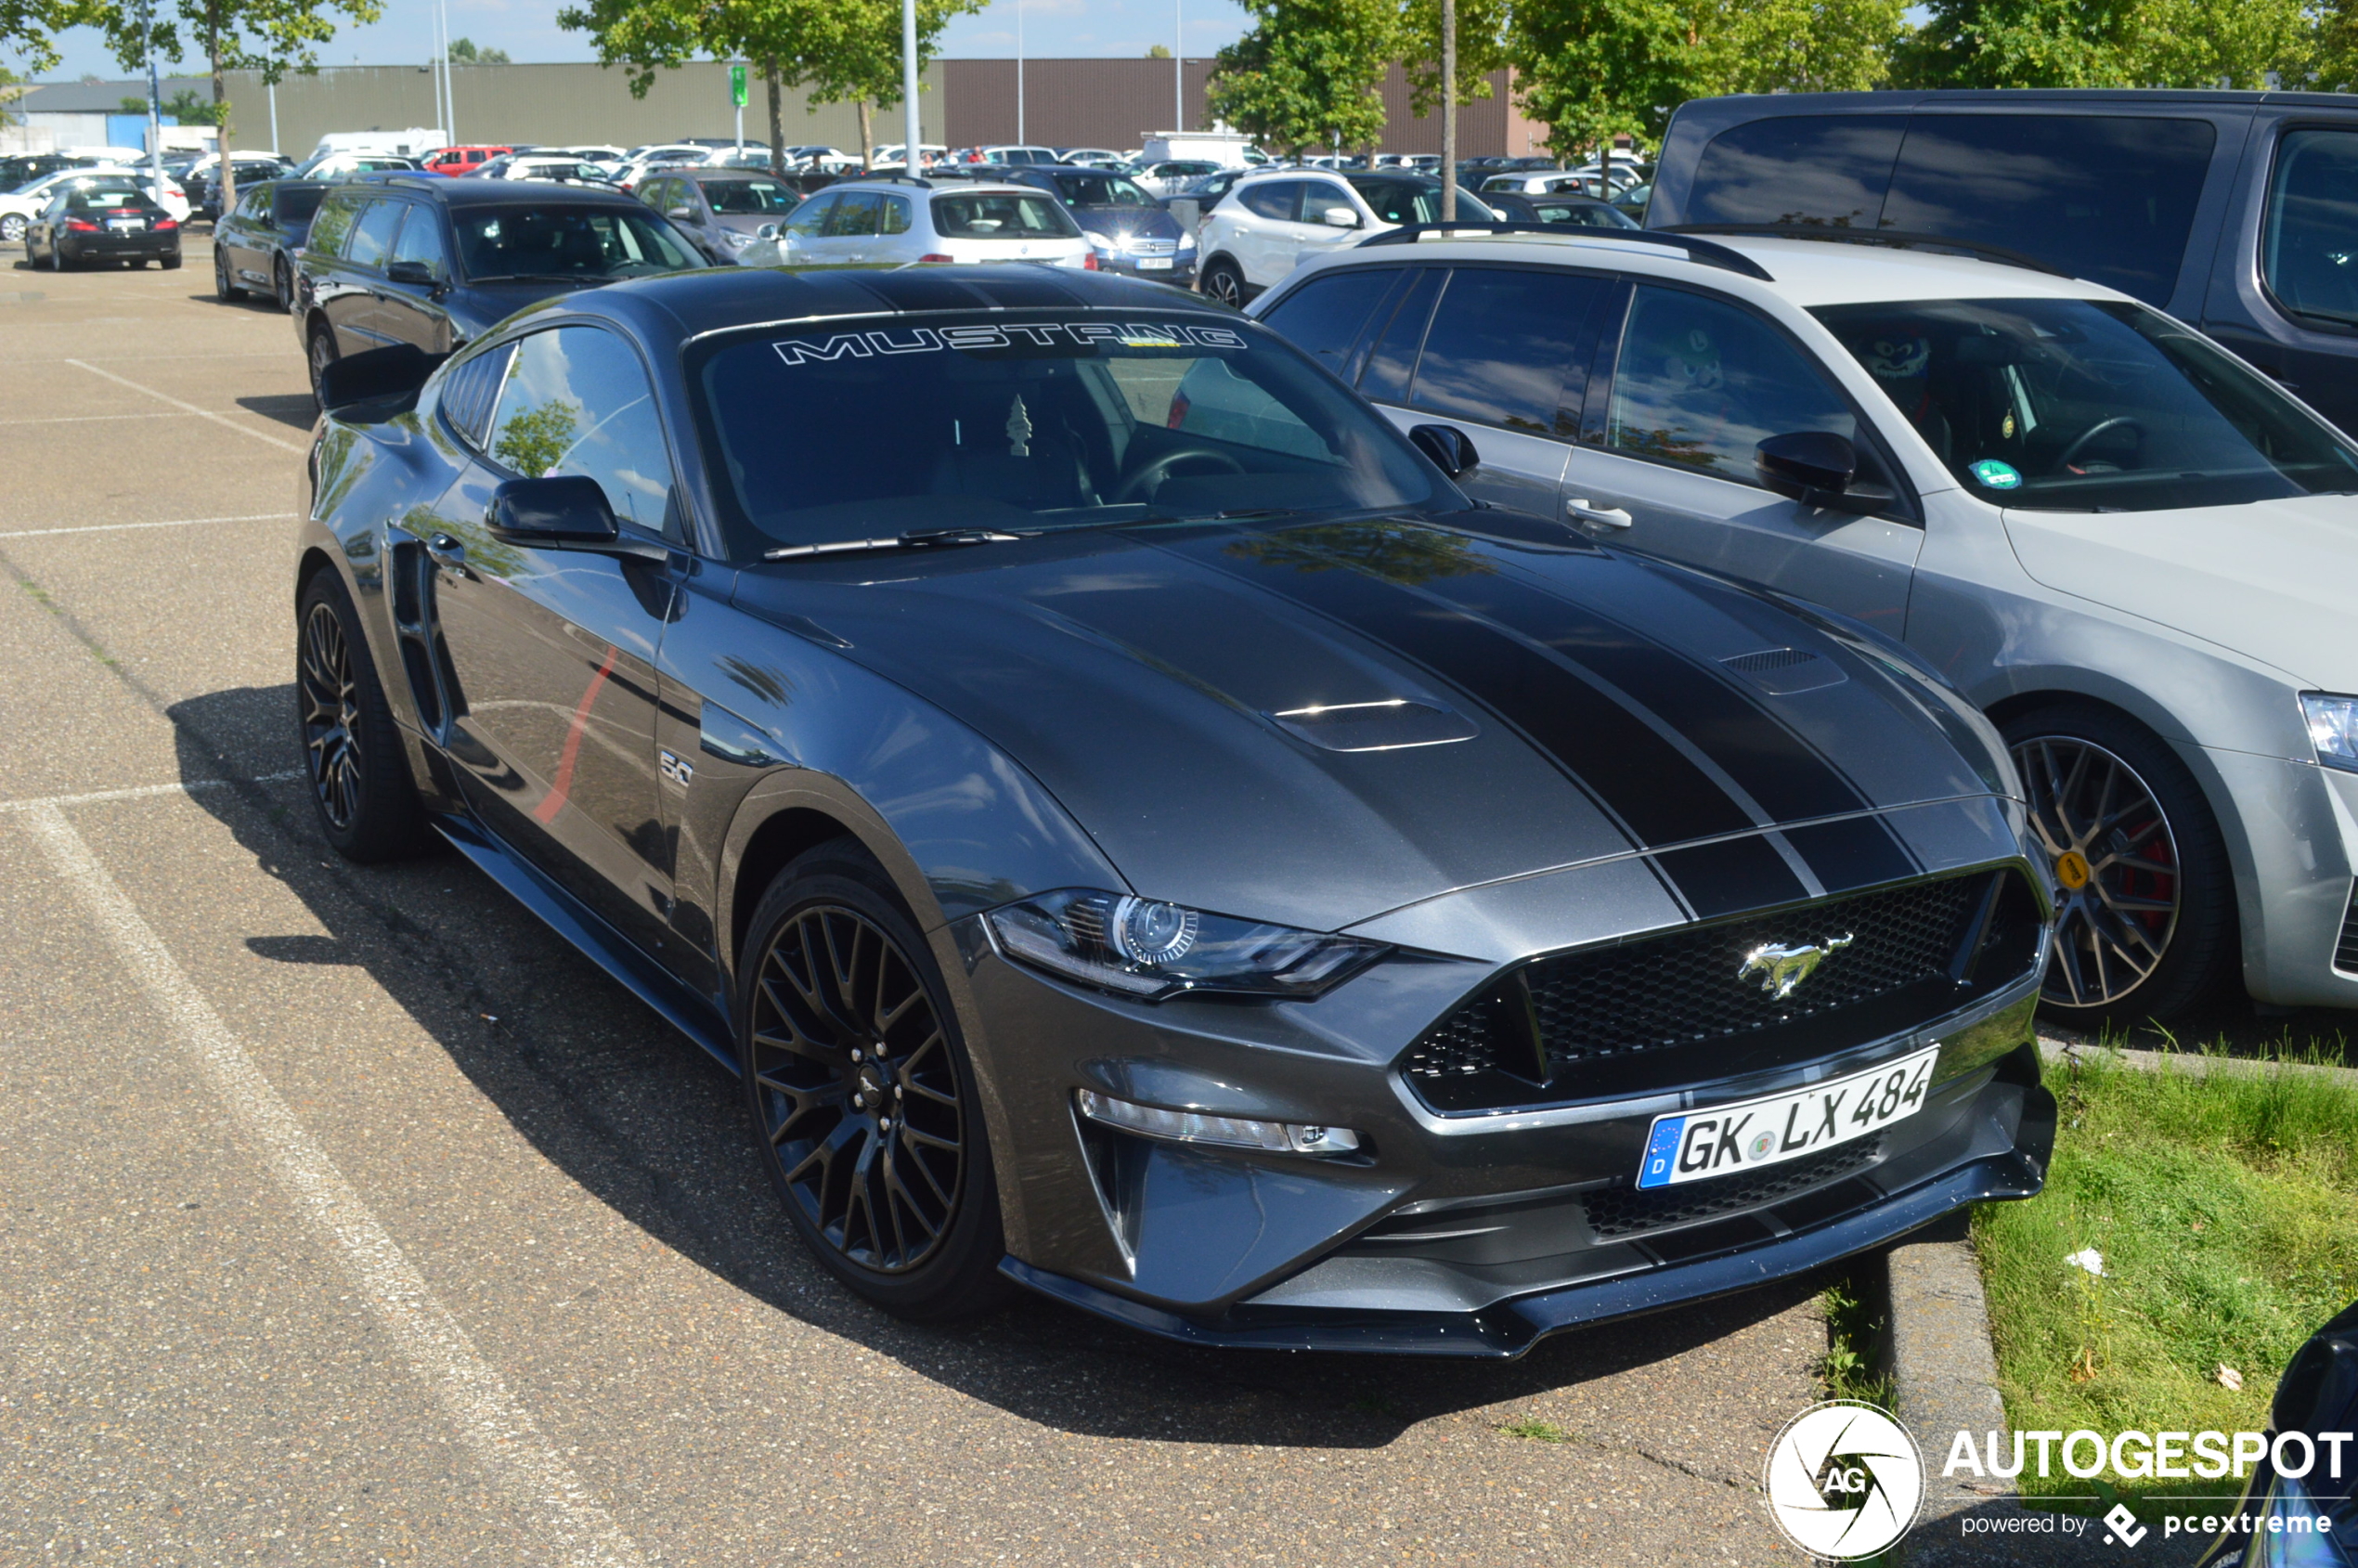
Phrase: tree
{"type": "Point", "coordinates": [464, 52]}
{"type": "Point", "coordinates": [1158, 51]}
{"type": "Point", "coordinates": [1808, 45]}
{"type": "Point", "coordinates": [1592, 69]}
{"type": "Point", "coordinates": [1308, 72]}
{"type": "Point", "coordinates": [28, 28]}
{"type": "Point", "coordinates": [183, 105]}
{"type": "Point", "coordinates": [269, 36]}
{"type": "Point", "coordinates": [2115, 44]}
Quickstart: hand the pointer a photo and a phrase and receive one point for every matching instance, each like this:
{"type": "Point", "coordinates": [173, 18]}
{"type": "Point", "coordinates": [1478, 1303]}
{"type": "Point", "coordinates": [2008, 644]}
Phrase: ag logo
{"type": "Point", "coordinates": [1844, 1480]}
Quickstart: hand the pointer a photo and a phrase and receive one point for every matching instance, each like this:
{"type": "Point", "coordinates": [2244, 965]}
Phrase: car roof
{"type": "Point", "coordinates": [1807, 273]}
{"type": "Point", "coordinates": [483, 193]}
{"type": "Point", "coordinates": [717, 299]}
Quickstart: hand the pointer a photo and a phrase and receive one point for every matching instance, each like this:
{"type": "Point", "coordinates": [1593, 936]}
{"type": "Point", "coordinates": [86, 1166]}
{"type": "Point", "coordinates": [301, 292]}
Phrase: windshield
{"type": "Point", "coordinates": [1075, 421]}
{"type": "Point", "coordinates": [2089, 406]}
{"type": "Point", "coordinates": [1001, 215]}
{"type": "Point", "coordinates": [1399, 200]}
{"type": "Point", "coordinates": [548, 241]}
{"type": "Point", "coordinates": [746, 197]}
{"type": "Point", "coordinates": [1102, 190]}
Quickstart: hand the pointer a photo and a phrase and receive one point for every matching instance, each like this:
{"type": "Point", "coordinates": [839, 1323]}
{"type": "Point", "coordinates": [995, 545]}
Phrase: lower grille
{"type": "Point", "coordinates": [1619, 1211]}
{"type": "Point", "coordinates": [2346, 954]}
{"type": "Point", "coordinates": [1697, 1003]}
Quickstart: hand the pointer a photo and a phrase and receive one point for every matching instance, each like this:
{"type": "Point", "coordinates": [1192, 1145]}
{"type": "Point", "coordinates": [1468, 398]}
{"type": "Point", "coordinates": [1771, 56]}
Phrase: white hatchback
{"type": "Point", "coordinates": [903, 220]}
{"type": "Point", "coordinates": [1269, 223]}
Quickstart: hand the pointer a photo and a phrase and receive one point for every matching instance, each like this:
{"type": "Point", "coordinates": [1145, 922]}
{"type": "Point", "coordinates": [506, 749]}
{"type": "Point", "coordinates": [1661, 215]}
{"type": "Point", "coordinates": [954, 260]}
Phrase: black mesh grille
{"type": "Point", "coordinates": [1619, 1211]}
{"type": "Point", "coordinates": [1600, 1015]}
{"type": "Point", "coordinates": [2345, 954]}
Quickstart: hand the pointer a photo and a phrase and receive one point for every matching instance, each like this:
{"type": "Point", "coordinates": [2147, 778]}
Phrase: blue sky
{"type": "Point", "coordinates": [527, 30]}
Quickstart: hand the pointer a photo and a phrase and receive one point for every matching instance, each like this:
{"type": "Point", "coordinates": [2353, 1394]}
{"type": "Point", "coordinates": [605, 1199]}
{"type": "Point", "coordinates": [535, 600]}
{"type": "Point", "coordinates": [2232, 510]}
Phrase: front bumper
{"type": "Point", "coordinates": [2296, 874]}
{"type": "Point", "coordinates": [1446, 1235]}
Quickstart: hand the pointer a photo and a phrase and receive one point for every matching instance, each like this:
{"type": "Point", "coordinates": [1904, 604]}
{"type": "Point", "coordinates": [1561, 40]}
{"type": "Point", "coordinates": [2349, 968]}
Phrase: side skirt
{"type": "Point", "coordinates": [600, 943]}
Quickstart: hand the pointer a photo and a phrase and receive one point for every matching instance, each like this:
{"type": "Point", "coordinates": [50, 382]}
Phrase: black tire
{"type": "Point", "coordinates": [2146, 925]}
{"type": "Point", "coordinates": [361, 784]}
{"type": "Point", "coordinates": [852, 1058]}
{"type": "Point", "coordinates": [282, 285]}
{"type": "Point", "coordinates": [224, 288]}
{"type": "Point", "coordinates": [1224, 283]}
{"type": "Point", "coordinates": [170, 263]}
{"type": "Point", "coordinates": [320, 356]}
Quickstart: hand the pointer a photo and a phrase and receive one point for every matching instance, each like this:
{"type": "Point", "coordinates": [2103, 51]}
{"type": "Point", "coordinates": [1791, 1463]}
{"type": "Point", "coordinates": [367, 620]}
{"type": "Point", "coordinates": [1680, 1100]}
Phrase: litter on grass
{"type": "Point", "coordinates": [2088, 1259]}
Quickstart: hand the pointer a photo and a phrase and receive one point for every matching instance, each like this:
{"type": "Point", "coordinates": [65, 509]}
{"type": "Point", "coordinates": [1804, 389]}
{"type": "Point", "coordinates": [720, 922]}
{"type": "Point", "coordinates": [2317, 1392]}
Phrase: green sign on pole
{"type": "Point", "coordinates": [737, 86]}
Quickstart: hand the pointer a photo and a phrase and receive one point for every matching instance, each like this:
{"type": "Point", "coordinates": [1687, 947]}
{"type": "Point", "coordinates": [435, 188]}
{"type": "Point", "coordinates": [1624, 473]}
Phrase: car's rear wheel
{"type": "Point", "coordinates": [1224, 283]}
{"type": "Point", "coordinates": [321, 354]}
{"type": "Point", "coordinates": [2145, 921]}
{"type": "Point", "coordinates": [864, 1100]}
{"type": "Point", "coordinates": [282, 284]}
{"type": "Point", "coordinates": [361, 784]}
{"type": "Point", "coordinates": [170, 263]}
{"type": "Point", "coordinates": [224, 288]}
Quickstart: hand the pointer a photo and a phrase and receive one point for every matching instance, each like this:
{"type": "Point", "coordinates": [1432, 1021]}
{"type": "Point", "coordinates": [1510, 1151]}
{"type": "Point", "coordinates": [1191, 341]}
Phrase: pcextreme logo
{"type": "Point", "coordinates": [1844, 1480]}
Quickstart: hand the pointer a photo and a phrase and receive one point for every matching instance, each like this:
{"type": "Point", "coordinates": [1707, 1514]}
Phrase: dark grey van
{"type": "Point", "coordinates": [2237, 211]}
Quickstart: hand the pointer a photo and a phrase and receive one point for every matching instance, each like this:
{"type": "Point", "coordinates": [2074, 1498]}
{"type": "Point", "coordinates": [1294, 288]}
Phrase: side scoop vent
{"type": "Point", "coordinates": [1783, 671]}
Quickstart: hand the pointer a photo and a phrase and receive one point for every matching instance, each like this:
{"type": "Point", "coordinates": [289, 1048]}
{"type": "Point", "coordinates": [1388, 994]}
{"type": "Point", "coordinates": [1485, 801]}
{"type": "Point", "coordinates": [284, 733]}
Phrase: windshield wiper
{"type": "Point", "coordinates": [918, 540]}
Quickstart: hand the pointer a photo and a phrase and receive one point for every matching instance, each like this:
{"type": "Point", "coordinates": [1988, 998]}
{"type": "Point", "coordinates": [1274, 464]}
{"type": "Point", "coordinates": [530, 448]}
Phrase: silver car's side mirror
{"type": "Point", "coordinates": [767, 231]}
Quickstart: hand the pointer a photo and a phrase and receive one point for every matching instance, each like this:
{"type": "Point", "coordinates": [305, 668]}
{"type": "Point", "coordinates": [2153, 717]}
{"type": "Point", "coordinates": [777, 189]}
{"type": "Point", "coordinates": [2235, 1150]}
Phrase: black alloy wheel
{"type": "Point", "coordinates": [2145, 916]}
{"type": "Point", "coordinates": [360, 786]}
{"type": "Point", "coordinates": [1224, 283]}
{"type": "Point", "coordinates": [869, 1119]}
{"type": "Point", "coordinates": [322, 354]}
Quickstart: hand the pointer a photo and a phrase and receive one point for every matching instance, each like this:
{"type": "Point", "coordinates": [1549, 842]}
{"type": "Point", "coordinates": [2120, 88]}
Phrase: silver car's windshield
{"type": "Point", "coordinates": [2066, 405]}
{"type": "Point", "coordinates": [861, 430]}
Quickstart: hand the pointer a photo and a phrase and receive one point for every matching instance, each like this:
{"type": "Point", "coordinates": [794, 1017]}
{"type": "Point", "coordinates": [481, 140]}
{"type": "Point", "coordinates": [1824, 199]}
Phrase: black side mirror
{"type": "Point", "coordinates": [563, 512]}
{"type": "Point", "coordinates": [1451, 449]}
{"type": "Point", "coordinates": [397, 370]}
{"type": "Point", "coordinates": [1818, 468]}
{"type": "Point", "coordinates": [411, 272]}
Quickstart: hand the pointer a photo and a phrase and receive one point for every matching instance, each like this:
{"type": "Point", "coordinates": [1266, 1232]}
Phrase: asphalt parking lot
{"type": "Point", "coordinates": [351, 1217]}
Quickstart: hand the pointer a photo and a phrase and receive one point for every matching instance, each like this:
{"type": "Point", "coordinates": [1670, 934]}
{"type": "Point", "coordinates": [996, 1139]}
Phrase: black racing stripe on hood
{"type": "Point", "coordinates": [1656, 793]}
{"type": "Point", "coordinates": [1788, 778]}
{"type": "Point", "coordinates": [1852, 852]}
{"type": "Point", "coordinates": [1731, 875]}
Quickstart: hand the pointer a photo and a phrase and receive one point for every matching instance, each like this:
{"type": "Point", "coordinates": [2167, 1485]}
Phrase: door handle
{"type": "Point", "coordinates": [447, 552]}
{"type": "Point", "coordinates": [1603, 516]}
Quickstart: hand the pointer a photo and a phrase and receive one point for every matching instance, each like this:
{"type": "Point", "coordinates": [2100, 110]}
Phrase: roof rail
{"type": "Point", "coordinates": [1902, 239]}
{"type": "Point", "coordinates": [423, 182]}
{"type": "Point", "coordinates": [1701, 251]}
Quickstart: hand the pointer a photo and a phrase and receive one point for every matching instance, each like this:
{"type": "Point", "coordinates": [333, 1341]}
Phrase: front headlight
{"type": "Point", "coordinates": [734, 240]}
{"type": "Point", "coordinates": [1149, 950]}
{"type": "Point", "coordinates": [1186, 242]}
{"type": "Point", "coordinates": [2333, 729]}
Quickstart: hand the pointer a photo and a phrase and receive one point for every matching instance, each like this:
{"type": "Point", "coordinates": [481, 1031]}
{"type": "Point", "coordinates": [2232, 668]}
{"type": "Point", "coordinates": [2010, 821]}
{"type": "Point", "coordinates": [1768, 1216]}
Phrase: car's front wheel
{"type": "Point", "coordinates": [864, 1100]}
{"type": "Point", "coordinates": [2146, 918]}
{"type": "Point", "coordinates": [360, 784]}
{"type": "Point", "coordinates": [321, 354]}
{"type": "Point", "coordinates": [282, 284]}
{"type": "Point", "coordinates": [224, 288]}
{"type": "Point", "coordinates": [12, 228]}
{"type": "Point", "coordinates": [1224, 283]}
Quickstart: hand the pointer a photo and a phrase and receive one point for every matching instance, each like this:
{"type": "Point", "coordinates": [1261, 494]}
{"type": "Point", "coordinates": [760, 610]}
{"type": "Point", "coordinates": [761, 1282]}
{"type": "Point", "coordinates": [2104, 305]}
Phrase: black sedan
{"type": "Point", "coordinates": [1138, 830]}
{"type": "Point", "coordinates": [254, 248]}
{"type": "Point", "coordinates": [92, 224]}
{"type": "Point", "coordinates": [1567, 212]}
{"type": "Point", "coordinates": [1130, 229]}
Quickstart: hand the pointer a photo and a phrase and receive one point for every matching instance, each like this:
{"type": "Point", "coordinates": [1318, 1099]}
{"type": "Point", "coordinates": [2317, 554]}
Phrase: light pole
{"type": "Point", "coordinates": [1020, 70]}
{"type": "Point", "coordinates": [155, 113]}
{"type": "Point", "coordinates": [911, 161]}
{"type": "Point", "coordinates": [1448, 111]}
{"type": "Point", "coordinates": [1178, 65]}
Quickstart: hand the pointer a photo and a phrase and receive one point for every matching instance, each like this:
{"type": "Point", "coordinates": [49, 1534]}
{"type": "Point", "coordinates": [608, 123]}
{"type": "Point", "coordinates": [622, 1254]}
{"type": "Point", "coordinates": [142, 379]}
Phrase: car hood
{"type": "Point", "coordinates": [1152, 222]}
{"type": "Point", "coordinates": [2268, 580]}
{"type": "Point", "coordinates": [1321, 723]}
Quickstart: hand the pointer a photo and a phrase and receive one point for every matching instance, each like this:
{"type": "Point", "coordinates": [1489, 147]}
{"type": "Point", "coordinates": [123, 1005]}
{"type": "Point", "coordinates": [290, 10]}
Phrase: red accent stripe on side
{"type": "Point", "coordinates": [554, 801]}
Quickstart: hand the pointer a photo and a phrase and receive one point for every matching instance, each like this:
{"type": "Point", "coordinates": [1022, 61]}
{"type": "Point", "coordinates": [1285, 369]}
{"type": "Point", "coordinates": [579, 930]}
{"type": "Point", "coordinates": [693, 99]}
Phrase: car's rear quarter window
{"type": "Point", "coordinates": [1798, 168]}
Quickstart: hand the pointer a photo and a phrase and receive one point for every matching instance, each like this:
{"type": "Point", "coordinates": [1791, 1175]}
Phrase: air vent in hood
{"type": "Point", "coordinates": [1384, 726]}
{"type": "Point", "coordinates": [1783, 671]}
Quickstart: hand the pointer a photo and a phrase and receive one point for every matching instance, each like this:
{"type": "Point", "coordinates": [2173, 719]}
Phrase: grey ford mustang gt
{"type": "Point", "coordinates": [1139, 831]}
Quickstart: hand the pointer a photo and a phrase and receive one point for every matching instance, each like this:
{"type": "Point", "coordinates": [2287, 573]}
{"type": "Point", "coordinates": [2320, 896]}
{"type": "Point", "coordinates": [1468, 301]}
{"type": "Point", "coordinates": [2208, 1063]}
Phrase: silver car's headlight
{"type": "Point", "coordinates": [1150, 950]}
{"type": "Point", "coordinates": [2333, 729]}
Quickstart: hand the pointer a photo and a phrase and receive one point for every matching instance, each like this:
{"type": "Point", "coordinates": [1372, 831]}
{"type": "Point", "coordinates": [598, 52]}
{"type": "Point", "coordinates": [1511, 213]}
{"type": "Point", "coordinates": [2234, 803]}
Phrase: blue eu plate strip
{"type": "Point", "coordinates": [1654, 1171]}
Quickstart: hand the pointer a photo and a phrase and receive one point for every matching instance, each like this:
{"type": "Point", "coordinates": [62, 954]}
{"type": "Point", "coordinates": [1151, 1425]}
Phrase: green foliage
{"type": "Point", "coordinates": [1533, 1430]}
{"type": "Point", "coordinates": [269, 36]}
{"type": "Point", "coordinates": [1594, 69]}
{"type": "Point", "coordinates": [1307, 75]}
{"type": "Point", "coordinates": [2225, 1207]}
{"type": "Point", "coordinates": [29, 28]}
{"type": "Point", "coordinates": [1808, 45]}
{"type": "Point", "coordinates": [835, 49]}
{"type": "Point", "coordinates": [536, 440]}
{"type": "Point", "coordinates": [1158, 51]}
{"type": "Point", "coordinates": [465, 52]}
{"type": "Point", "coordinates": [1849, 1368]}
{"type": "Point", "coordinates": [2112, 44]}
{"type": "Point", "coordinates": [1481, 49]}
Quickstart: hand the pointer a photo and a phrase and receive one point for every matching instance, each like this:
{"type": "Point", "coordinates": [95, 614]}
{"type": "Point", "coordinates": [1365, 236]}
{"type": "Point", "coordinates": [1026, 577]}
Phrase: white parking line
{"type": "Point", "coordinates": [93, 419]}
{"type": "Point", "coordinates": [557, 1508]}
{"type": "Point", "coordinates": [137, 792]}
{"type": "Point", "coordinates": [118, 528]}
{"type": "Point", "coordinates": [222, 420]}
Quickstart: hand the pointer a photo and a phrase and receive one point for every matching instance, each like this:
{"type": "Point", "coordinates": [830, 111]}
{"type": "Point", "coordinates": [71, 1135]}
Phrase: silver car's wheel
{"type": "Point", "coordinates": [12, 228]}
{"type": "Point", "coordinates": [1224, 283]}
{"type": "Point", "coordinates": [2117, 869]}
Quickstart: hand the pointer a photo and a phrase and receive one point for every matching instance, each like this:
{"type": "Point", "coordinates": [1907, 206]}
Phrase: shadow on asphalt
{"type": "Point", "coordinates": [295, 408]}
{"type": "Point", "coordinates": [650, 1125]}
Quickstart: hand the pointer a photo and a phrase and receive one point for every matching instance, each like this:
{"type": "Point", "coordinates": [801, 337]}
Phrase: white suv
{"type": "Point", "coordinates": [1270, 222]}
{"type": "Point", "coordinates": [903, 220]}
{"type": "Point", "coordinates": [2128, 548]}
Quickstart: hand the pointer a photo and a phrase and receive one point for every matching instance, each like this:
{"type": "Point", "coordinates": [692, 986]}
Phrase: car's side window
{"type": "Point", "coordinates": [2305, 250]}
{"type": "Point", "coordinates": [578, 401]}
{"type": "Point", "coordinates": [372, 236]}
{"type": "Point", "coordinates": [1392, 361]}
{"type": "Point", "coordinates": [422, 242]}
{"type": "Point", "coordinates": [810, 218]}
{"type": "Point", "coordinates": [332, 226]}
{"type": "Point", "coordinates": [1319, 195]}
{"type": "Point", "coordinates": [1698, 382]}
{"type": "Point", "coordinates": [855, 216]}
{"type": "Point", "coordinates": [896, 215]}
{"type": "Point", "coordinates": [656, 194]}
{"type": "Point", "coordinates": [1501, 349]}
{"type": "Point", "coordinates": [469, 389]}
{"type": "Point", "coordinates": [1277, 199]}
{"type": "Point", "coordinates": [252, 204]}
{"type": "Point", "coordinates": [1326, 315]}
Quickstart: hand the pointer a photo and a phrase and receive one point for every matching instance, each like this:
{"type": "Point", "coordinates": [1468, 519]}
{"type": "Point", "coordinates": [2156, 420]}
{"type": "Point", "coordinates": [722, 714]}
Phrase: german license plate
{"type": "Point", "coordinates": [127, 226]}
{"type": "Point", "coordinates": [1154, 263]}
{"type": "Point", "coordinates": [1720, 1140]}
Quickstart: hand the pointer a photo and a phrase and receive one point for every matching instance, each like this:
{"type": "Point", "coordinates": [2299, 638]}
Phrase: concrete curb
{"type": "Point", "coordinates": [2198, 1064]}
{"type": "Point", "coordinates": [1943, 1367]}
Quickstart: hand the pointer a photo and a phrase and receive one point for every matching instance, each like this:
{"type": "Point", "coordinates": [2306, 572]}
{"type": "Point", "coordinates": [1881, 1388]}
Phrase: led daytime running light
{"type": "Point", "coordinates": [1231, 1131]}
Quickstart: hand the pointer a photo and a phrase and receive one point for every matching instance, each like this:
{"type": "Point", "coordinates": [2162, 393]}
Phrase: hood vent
{"type": "Point", "coordinates": [1385, 726]}
{"type": "Point", "coordinates": [1783, 671]}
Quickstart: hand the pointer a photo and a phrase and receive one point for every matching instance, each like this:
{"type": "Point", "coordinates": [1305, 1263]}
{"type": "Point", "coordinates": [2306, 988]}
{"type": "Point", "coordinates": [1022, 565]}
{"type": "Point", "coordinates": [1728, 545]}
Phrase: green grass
{"type": "Point", "coordinates": [2226, 1208]}
{"type": "Point", "coordinates": [1854, 1338]}
{"type": "Point", "coordinates": [1534, 1430]}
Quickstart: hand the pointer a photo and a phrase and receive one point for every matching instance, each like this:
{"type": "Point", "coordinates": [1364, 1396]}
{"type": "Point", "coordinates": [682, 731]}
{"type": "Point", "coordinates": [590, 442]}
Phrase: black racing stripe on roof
{"type": "Point", "coordinates": [919, 289]}
{"type": "Point", "coordinates": [1787, 777]}
{"type": "Point", "coordinates": [1020, 293]}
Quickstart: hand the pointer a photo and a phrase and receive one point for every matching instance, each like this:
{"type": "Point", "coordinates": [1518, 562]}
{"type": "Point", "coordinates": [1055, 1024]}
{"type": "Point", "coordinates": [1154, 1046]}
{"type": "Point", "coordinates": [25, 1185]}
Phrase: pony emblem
{"type": "Point", "coordinates": [1781, 968]}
